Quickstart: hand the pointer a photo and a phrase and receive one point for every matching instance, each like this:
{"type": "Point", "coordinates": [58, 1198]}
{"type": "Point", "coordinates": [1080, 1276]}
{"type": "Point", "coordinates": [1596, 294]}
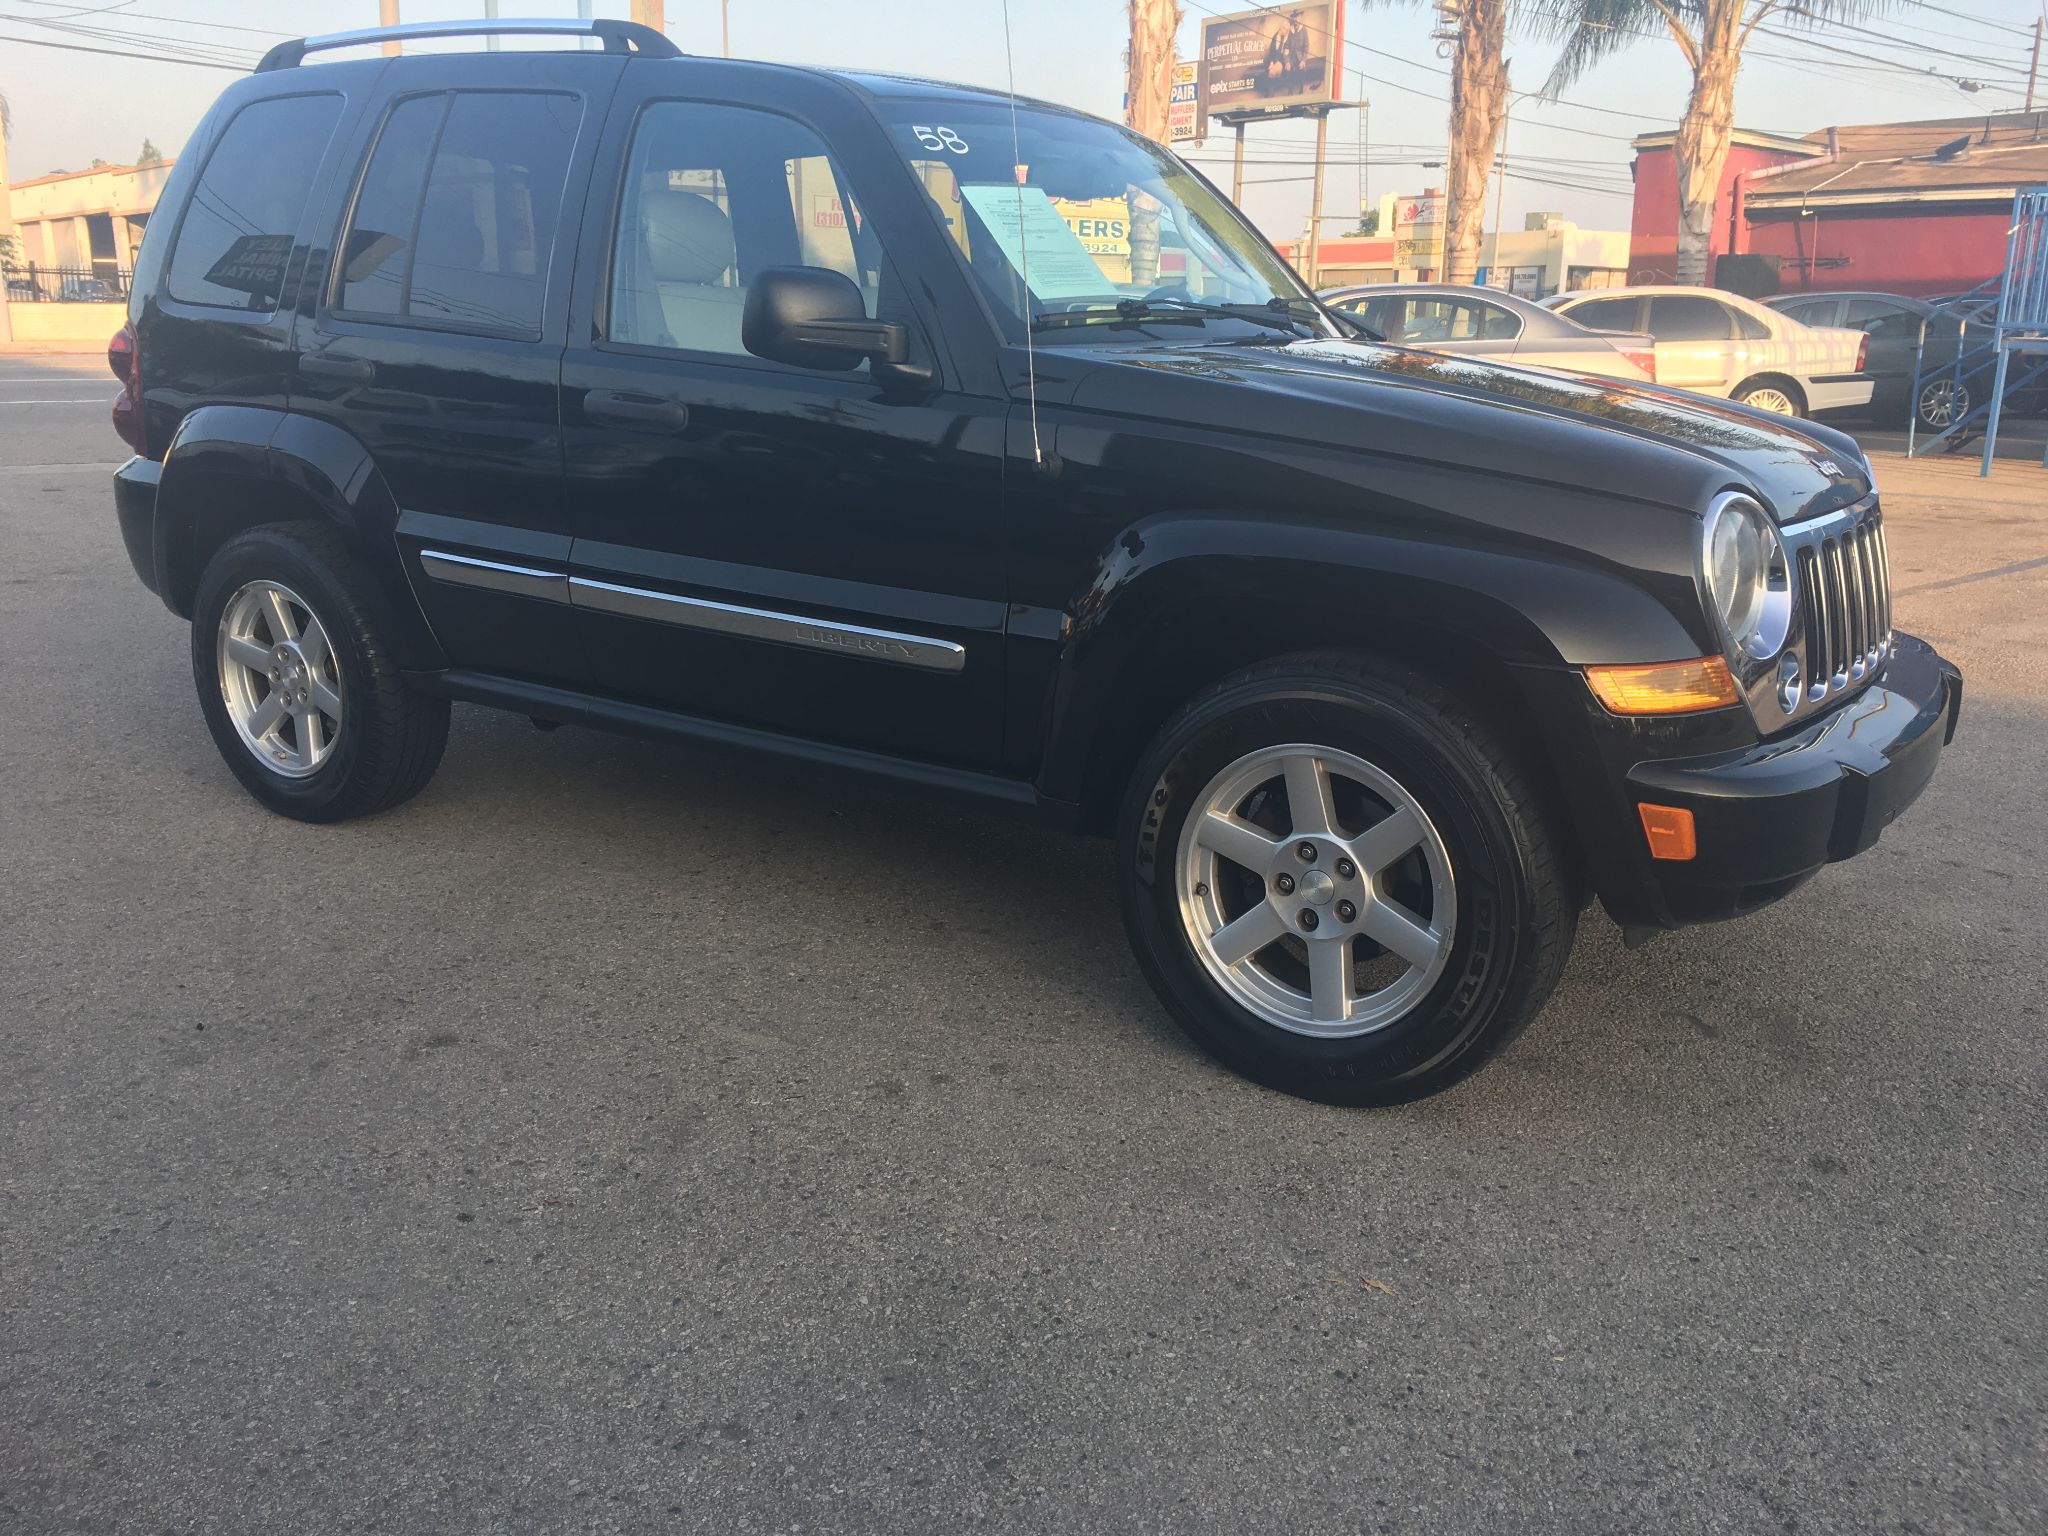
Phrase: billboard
{"type": "Point", "coordinates": [1182, 124]}
{"type": "Point", "coordinates": [1277, 60]}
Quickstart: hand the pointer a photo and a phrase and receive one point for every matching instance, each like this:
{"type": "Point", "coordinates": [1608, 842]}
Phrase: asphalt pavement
{"type": "Point", "coordinates": [625, 1137]}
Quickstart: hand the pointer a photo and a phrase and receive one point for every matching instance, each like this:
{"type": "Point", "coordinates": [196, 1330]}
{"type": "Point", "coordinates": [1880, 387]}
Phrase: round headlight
{"type": "Point", "coordinates": [1744, 567]}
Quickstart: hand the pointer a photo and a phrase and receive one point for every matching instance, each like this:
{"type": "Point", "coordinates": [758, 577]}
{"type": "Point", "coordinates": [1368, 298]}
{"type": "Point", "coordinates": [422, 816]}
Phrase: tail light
{"type": "Point", "coordinates": [1645, 360]}
{"type": "Point", "coordinates": [1862, 351]}
{"type": "Point", "coordinates": [125, 358]}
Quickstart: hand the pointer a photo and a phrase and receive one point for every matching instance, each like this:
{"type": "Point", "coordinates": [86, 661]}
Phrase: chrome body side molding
{"type": "Point", "coordinates": [856, 640]}
{"type": "Point", "coordinates": [495, 575]}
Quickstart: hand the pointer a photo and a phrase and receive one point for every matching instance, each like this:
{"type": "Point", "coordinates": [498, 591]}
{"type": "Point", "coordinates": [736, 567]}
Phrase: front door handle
{"type": "Point", "coordinates": [346, 370]}
{"type": "Point", "coordinates": [625, 407]}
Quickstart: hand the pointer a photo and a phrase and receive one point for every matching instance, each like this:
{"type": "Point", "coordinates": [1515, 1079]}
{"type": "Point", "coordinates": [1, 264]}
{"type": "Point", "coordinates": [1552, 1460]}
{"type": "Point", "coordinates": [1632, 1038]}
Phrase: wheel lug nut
{"type": "Point", "coordinates": [1346, 911]}
{"type": "Point", "coordinates": [1284, 885]}
{"type": "Point", "coordinates": [1308, 920]}
{"type": "Point", "coordinates": [1346, 868]}
{"type": "Point", "coordinates": [1306, 852]}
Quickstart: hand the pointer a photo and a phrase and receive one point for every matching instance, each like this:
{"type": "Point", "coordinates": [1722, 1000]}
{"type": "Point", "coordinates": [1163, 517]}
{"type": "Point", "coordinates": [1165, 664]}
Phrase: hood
{"type": "Point", "coordinates": [1559, 427]}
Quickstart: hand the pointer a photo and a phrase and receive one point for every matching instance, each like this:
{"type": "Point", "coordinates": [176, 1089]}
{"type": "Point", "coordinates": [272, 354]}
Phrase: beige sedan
{"type": "Point", "coordinates": [1722, 344]}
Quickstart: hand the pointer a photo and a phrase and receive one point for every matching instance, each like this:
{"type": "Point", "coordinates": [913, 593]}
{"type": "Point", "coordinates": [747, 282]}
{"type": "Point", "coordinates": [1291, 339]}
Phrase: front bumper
{"type": "Point", "coordinates": [1769, 815]}
{"type": "Point", "coordinates": [135, 486]}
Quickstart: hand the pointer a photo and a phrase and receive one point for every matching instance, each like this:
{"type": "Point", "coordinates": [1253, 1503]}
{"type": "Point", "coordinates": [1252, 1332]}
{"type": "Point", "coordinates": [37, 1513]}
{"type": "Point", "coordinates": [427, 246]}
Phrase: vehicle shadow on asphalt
{"type": "Point", "coordinates": [1795, 991]}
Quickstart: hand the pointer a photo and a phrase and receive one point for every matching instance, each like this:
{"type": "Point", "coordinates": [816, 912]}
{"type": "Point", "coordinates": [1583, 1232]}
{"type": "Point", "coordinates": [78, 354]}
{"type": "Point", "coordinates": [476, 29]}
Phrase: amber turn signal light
{"type": "Point", "coordinates": [1664, 687]}
{"type": "Point", "coordinates": [1668, 829]}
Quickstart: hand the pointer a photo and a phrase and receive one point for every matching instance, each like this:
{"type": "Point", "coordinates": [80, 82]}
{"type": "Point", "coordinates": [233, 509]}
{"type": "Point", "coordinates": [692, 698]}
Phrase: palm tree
{"type": "Point", "coordinates": [1148, 88]}
{"type": "Point", "coordinates": [6, 213]}
{"type": "Point", "coordinates": [1479, 96]}
{"type": "Point", "coordinates": [1711, 34]}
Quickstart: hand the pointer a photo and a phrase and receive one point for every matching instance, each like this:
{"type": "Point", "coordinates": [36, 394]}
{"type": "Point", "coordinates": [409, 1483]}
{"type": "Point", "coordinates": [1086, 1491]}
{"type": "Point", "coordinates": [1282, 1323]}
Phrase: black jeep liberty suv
{"type": "Point", "coordinates": [915, 431]}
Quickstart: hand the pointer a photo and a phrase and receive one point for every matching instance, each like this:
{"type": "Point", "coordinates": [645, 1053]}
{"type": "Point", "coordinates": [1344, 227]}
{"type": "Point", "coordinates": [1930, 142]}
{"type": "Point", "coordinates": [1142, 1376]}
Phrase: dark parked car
{"type": "Point", "coordinates": [1893, 322]}
{"type": "Point", "coordinates": [712, 400]}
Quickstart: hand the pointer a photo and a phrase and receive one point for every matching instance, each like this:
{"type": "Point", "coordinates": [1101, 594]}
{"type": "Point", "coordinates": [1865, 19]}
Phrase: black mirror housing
{"type": "Point", "coordinates": [813, 317]}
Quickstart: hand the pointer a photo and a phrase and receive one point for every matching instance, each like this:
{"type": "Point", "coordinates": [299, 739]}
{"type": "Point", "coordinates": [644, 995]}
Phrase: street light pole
{"type": "Point", "coordinates": [2034, 65]}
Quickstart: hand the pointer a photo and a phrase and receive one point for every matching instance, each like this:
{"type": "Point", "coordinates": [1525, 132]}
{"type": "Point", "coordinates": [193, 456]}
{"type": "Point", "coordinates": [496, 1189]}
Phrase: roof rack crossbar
{"type": "Point", "coordinates": [617, 37]}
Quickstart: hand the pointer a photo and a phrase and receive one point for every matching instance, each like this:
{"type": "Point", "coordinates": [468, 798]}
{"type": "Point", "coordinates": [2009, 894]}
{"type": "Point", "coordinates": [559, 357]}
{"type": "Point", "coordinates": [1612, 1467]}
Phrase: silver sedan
{"type": "Point", "coordinates": [1485, 322]}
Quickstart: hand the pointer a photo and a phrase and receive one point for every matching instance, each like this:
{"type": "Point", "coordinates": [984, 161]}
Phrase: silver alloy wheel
{"type": "Point", "coordinates": [1943, 403]}
{"type": "Point", "coordinates": [1769, 399]}
{"type": "Point", "coordinates": [280, 679]}
{"type": "Point", "coordinates": [1302, 872]}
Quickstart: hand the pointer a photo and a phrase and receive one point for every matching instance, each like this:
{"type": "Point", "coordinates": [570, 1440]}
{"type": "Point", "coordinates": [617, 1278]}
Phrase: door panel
{"type": "Point", "coordinates": [1695, 343]}
{"type": "Point", "coordinates": [436, 341]}
{"type": "Point", "coordinates": [805, 551]}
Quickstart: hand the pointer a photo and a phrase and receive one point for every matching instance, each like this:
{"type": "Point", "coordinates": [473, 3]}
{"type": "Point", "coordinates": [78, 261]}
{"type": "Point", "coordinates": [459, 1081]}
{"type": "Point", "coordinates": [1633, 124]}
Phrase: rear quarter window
{"type": "Point", "coordinates": [235, 240]}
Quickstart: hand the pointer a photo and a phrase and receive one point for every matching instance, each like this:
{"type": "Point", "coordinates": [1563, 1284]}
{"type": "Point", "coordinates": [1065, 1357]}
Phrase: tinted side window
{"type": "Point", "coordinates": [1882, 320]}
{"type": "Point", "coordinates": [236, 238]}
{"type": "Point", "coordinates": [713, 195]}
{"type": "Point", "coordinates": [1497, 324]}
{"type": "Point", "coordinates": [373, 266]}
{"type": "Point", "coordinates": [1606, 314]}
{"type": "Point", "coordinates": [1812, 312]}
{"type": "Point", "coordinates": [1684, 318]}
{"type": "Point", "coordinates": [455, 223]}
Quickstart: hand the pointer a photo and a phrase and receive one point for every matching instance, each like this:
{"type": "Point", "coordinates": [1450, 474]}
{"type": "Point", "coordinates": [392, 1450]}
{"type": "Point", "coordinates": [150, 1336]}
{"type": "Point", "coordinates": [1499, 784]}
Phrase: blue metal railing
{"type": "Point", "coordinates": [1968, 373]}
{"type": "Point", "coordinates": [2020, 331]}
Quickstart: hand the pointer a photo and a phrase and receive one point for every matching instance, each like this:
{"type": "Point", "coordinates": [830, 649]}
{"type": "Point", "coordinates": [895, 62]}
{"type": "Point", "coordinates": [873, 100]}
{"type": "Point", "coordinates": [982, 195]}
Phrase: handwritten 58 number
{"type": "Point", "coordinates": [939, 138]}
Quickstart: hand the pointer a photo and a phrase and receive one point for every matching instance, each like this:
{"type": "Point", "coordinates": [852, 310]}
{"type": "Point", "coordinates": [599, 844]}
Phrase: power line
{"type": "Point", "coordinates": [1982, 21]}
{"type": "Point", "coordinates": [1433, 69]}
{"type": "Point", "coordinates": [126, 15]}
{"type": "Point", "coordinates": [122, 53]}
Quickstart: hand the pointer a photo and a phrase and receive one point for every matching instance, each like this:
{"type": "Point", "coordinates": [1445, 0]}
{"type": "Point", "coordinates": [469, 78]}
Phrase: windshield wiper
{"type": "Point", "coordinates": [1273, 314]}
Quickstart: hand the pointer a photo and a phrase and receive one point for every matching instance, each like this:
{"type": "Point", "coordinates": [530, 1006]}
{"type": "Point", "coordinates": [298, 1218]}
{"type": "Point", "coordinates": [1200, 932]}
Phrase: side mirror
{"type": "Point", "coordinates": [813, 317]}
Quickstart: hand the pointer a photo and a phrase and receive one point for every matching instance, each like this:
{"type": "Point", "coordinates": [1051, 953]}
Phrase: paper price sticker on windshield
{"type": "Point", "coordinates": [1025, 224]}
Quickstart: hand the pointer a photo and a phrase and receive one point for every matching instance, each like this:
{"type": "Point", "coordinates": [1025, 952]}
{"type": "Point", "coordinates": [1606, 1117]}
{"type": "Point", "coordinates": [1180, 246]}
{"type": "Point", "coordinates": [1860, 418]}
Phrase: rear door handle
{"type": "Point", "coordinates": [348, 370]}
{"type": "Point", "coordinates": [624, 407]}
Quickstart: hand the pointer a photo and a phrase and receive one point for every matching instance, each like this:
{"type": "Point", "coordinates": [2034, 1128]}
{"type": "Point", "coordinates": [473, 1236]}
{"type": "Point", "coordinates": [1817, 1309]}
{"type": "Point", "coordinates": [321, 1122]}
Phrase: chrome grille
{"type": "Point", "coordinates": [1845, 601]}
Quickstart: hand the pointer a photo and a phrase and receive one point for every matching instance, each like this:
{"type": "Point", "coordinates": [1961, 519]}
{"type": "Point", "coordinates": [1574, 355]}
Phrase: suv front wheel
{"type": "Point", "coordinates": [1340, 881]}
{"type": "Point", "coordinates": [301, 694]}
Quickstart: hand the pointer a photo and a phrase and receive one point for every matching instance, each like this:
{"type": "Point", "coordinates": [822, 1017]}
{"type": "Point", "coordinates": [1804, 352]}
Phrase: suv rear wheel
{"type": "Point", "coordinates": [297, 686]}
{"type": "Point", "coordinates": [1340, 882]}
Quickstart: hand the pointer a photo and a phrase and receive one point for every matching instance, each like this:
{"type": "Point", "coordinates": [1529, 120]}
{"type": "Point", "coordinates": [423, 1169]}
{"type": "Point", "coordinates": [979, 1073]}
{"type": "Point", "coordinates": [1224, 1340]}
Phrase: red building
{"type": "Point", "coordinates": [1918, 208]}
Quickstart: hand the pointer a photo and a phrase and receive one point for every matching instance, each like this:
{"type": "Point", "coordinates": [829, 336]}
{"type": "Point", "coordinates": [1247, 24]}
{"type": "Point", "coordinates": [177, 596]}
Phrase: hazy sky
{"type": "Point", "coordinates": [70, 108]}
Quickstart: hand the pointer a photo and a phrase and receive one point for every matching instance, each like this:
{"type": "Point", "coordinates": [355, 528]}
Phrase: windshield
{"type": "Point", "coordinates": [1074, 217]}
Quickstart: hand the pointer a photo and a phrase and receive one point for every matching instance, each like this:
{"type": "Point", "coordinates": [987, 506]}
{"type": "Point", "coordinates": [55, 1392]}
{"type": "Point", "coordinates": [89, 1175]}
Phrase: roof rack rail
{"type": "Point", "coordinates": [617, 36]}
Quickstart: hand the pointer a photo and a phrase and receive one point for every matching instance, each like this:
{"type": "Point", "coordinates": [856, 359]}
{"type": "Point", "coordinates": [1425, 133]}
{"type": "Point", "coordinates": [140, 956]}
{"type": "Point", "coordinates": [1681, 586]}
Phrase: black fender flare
{"type": "Point", "coordinates": [1514, 622]}
{"type": "Point", "coordinates": [234, 467]}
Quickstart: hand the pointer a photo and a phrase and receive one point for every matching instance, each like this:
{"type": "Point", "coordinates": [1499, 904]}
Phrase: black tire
{"type": "Point", "coordinates": [390, 740]}
{"type": "Point", "coordinates": [1793, 395]}
{"type": "Point", "coordinates": [1516, 899]}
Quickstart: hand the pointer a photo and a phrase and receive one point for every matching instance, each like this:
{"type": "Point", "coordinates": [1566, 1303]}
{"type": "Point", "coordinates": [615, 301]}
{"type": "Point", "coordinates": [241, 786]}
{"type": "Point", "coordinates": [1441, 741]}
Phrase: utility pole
{"type": "Point", "coordinates": [2034, 65]}
{"type": "Point", "coordinates": [648, 14]}
{"type": "Point", "coordinates": [491, 14]}
{"type": "Point", "coordinates": [387, 16]}
{"type": "Point", "coordinates": [1500, 189]}
{"type": "Point", "coordinates": [1315, 196]}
